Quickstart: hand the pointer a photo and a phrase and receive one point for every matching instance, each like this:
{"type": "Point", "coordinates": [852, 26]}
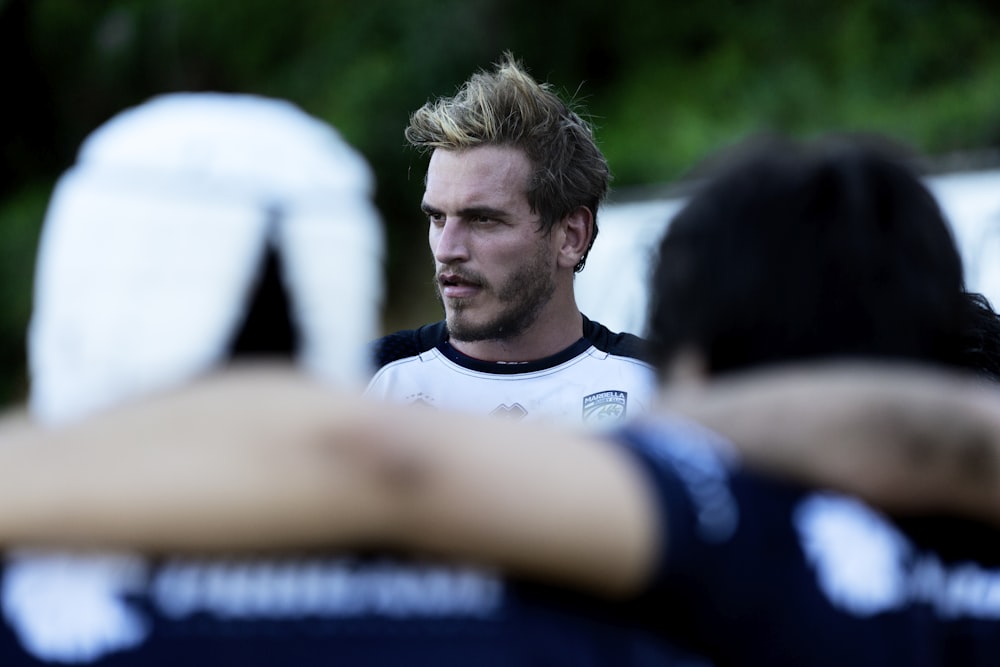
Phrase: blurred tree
{"type": "Point", "coordinates": [28, 110]}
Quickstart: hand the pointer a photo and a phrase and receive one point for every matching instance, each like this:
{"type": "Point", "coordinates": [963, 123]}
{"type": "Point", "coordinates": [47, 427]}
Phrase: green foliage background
{"type": "Point", "coordinates": [665, 84]}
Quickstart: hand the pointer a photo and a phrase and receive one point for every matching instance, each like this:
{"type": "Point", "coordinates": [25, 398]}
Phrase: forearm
{"type": "Point", "coordinates": [258, 462]}
{"type": "Point", "coordinates": [908, 439]}
{"type": "Point", "coordinates": [239, 461]}
{"type": "Point", "coordinates": [538, 501]}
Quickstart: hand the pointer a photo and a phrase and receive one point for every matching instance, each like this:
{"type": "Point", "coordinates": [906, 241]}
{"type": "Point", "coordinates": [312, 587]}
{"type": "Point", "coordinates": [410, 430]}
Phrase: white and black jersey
{"type": "Point", "coordinates": [602, 379]}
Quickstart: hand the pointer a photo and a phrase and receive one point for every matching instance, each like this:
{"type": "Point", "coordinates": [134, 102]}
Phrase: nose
{"type": "Point", "coordinates": [449, 241]}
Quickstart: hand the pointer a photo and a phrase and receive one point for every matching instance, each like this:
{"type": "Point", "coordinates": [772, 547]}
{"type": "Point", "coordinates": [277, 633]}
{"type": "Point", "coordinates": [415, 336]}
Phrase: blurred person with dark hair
{"type": "Point", "coordinates": [511, 195]}
{"type": "Point", "coordinates": [835, 249]}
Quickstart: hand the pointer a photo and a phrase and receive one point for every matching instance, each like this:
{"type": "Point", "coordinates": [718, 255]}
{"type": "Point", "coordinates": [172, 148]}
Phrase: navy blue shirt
{"type": "Point", "coordinates": [119, 609]}
{"type": "Point", "coordinates": [755, 571]}
{"type": "Point", "coordinates": [762, 572]}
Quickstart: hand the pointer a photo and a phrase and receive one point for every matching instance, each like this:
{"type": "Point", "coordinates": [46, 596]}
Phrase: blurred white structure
{"type": "Point", "coordinates": [154, 240]}
{"type": "Point", "coordinates": [613, 289]}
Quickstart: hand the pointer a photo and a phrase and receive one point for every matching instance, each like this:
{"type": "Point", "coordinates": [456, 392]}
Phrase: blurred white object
{"type": "Point", "coordinates": [71, 608]}
{"type": "Point", "coordinates": [154, 240]}
{"type": "Point", "coordinates": [971, 202]}
{"type": "Point", "coordinates": [614, 287]}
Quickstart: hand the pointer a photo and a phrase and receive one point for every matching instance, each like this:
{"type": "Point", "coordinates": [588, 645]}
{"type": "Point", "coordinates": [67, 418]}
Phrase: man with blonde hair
{"type": "Point", "coordinates": [512, 190]}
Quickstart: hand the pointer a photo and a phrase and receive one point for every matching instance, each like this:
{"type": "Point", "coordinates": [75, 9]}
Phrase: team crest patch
{"type": "Point", "coordinates": [605, 406]}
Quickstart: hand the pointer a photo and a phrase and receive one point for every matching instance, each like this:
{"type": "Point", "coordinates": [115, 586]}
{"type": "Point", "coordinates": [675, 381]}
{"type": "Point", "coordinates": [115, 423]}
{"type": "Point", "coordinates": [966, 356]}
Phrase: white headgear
{"type": "Point", "coordinates": [154, 240]}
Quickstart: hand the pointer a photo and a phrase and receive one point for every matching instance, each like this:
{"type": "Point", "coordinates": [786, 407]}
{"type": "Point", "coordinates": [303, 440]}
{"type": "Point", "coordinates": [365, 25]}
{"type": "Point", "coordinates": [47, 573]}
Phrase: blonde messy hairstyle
{"type": "Point", "coordinates": [507, 107]}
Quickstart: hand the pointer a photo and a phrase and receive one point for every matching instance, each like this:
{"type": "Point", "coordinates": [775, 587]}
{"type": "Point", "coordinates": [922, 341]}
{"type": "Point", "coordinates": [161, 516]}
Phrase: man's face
{"type": "Point", "coordinates": [494, 269]}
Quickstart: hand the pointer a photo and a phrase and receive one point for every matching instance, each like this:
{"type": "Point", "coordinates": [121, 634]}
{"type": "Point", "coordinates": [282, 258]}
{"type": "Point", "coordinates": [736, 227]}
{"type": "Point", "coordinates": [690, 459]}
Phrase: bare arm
{"type": "Point", "coordinates": [263, 459]}
{"type": "Point", "coordinates": [904, 438]}
{"type": "Point", "coordinates": [199, 468]}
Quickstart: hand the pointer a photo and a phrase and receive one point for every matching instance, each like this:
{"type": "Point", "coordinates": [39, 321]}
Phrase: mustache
{"type": "Point", "coordinates": [449, 276]}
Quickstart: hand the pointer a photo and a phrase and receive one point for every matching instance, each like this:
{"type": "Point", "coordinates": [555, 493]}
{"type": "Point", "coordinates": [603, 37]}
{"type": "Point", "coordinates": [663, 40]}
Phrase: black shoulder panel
{"type": "Point", "coordinates": [619, 344]}
{"type": "Point", "coordinates": [407, 343]}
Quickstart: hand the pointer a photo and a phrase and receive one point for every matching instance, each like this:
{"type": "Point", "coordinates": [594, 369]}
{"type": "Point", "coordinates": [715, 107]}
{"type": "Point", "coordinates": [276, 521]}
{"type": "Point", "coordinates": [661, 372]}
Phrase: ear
{"type": "Point", "coordinates": [577, 229]}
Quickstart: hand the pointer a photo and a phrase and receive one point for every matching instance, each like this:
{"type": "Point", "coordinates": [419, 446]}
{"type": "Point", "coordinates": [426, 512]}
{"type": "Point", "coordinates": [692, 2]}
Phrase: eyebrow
{"type": "Point", "coordinates": [470, 212]}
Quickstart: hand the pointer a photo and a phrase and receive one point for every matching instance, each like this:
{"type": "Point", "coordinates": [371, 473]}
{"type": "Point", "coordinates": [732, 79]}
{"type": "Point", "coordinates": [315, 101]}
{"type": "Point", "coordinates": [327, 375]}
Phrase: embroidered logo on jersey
{"type": "Point", "coordinates": [420, 398]}
{"type": "Point", "coordinates": [605, 406]}
{"type": "Point", "coordinates": [515, 411]}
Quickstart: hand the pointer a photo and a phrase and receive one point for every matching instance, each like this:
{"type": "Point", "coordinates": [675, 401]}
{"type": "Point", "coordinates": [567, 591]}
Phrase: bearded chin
{"type": "Point", "coordinates": [461, 329]}
{"type": "Point", "coordinates": [522, 302]}
{"type": "Point", "coordinates": [516, 303]}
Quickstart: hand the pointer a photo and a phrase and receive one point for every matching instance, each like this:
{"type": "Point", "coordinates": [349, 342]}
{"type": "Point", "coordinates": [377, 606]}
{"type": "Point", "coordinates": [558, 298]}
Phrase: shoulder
{"type": "Point", "coordinates": [619, 344]}
{"type": "Point", "coordinates": [407, 343]}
